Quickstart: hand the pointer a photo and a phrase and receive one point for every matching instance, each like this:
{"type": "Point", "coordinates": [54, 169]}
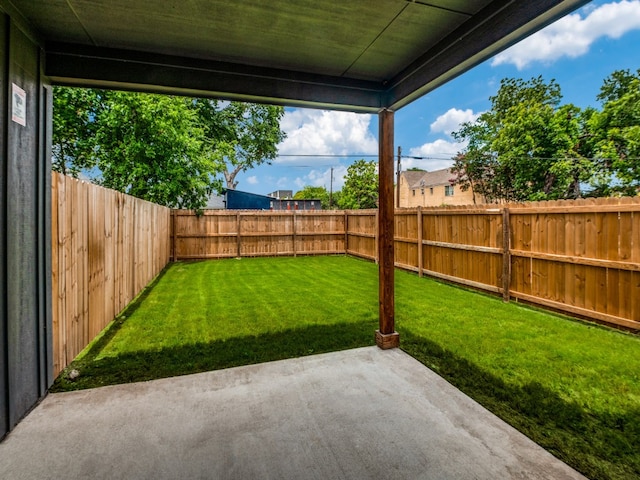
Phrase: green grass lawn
{"type": "Point", "coordinates": [572, 387]}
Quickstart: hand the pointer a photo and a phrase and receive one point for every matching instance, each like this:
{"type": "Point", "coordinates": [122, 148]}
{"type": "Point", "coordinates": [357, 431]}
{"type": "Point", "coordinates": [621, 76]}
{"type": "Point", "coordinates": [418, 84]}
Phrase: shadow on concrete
{"type": "Point", "coordinates": [201, 357]}
{"type": "Point", "coordinates": [362, 413]}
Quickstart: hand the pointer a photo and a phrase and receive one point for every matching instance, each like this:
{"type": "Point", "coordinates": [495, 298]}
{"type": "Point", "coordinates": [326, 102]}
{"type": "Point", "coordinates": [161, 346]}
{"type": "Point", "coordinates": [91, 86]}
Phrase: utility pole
{"type": "Point", "coordinates": [331, 190]}
{"type": "Point", "coordinates": [398, 178]}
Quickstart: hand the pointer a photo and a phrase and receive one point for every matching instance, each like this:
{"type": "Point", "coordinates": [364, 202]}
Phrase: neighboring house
{"type": "Point", "coordinates": [428, 189]}
{"type": "Point", "coordinates": [282, 194]}
{"type": "Point", "coordinates": [215, 202]}
{"type": "Point", "coordinates": [238, 200]}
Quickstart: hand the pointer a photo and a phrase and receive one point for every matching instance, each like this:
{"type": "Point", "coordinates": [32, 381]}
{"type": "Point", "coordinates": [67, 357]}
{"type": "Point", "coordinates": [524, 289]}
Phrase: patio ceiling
{"type": "Point", "coordinates": [360, 55]}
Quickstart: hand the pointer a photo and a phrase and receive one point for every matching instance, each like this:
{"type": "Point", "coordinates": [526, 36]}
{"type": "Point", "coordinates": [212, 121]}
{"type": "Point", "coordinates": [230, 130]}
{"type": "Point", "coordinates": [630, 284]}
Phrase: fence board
{"type": "Point", "coordinates": [106, 247]}
{"type": "Point", "coordinates": [582, 257]}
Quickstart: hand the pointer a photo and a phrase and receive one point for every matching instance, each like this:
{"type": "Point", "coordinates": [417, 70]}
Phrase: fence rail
{"type": "Point", "coordinates": [223, 234]}
{"type": "Point", "coordinates": [107, 247]}
{"type": "Point", "coordinates": [581, 257]}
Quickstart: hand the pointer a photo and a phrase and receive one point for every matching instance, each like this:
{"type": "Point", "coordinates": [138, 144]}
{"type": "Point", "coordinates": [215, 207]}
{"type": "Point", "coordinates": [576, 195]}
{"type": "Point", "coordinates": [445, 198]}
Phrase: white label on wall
{"type": "Point", "coordinates": [19, 105]}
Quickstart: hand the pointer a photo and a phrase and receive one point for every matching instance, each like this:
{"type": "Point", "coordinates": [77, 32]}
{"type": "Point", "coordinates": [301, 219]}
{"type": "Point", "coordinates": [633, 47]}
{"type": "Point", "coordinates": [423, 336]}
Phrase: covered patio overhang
{"type": "Point", "coordinates": [358, 55]}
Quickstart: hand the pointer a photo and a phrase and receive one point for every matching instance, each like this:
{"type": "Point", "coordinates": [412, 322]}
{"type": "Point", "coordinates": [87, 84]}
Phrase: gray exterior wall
{"type": "Point", "coordinates": [25, 228]}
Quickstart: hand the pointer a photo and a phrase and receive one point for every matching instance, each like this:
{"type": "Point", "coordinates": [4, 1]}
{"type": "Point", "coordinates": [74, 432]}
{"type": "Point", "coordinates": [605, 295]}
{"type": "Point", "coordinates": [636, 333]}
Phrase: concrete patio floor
{"type": "Point", "coordinates": [357, 414]}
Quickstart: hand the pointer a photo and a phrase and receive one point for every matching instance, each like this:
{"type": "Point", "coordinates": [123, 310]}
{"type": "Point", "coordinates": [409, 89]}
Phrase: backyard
{"type": "Point", "coordinates": [572, 387]}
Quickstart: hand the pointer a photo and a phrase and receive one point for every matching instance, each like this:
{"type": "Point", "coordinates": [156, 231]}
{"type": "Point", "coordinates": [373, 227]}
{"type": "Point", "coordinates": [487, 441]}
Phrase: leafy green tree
{"type": "Point", "coordinates": [170, 150]}
{"type": "Point", "coordinates": [309, 192]}
{"type": "Point", "coordinates": [244, 135]}
{"type": "Point", "coordinates": [617, 85]}
{"type": "Point", "coordinates": [74, 126]}
{"type": "Point", "coordinates": [615, 134]}
{"type": "Point", "coordinates": [526, 147]}
{"type": "Point", "coordinates": [360, 188]}
{"type": "Point", "coordinates": [151, 147]}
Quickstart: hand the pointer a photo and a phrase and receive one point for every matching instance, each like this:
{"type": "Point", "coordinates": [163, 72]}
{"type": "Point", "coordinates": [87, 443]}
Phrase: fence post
{"type": "Point", "coordinates": [346, 232]}
{"type": "Point", "coordinates": [506, 256]}
{"type": "Point", "coordinates": [419, 213]}
{"type": "Point", "coordinates": [238, 251]}
{"type": "Point", "coordinates": [173, 235]}
{"type": "Point", "coordinates": [377, 238]}
{"type": "Point", "coordinates": [295, 221]}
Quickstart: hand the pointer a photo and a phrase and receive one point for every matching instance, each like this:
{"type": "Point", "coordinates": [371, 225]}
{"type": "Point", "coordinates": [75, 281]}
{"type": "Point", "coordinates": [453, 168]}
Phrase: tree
{"type": "Point", "coordinates": [615, 134]}
{"type": "Point", "coordinates": [309, 192]}
{"type": "Point", "coordinates": [617, 85]}
{"type": "Point", "coordinates": [526, 147]}
{"type": "Point", "coordinates": [360, 188]}
{"type": "Point", "coordinates": [169, 150]}
{"type": "Point", "coordinates": [73, 139]}
{"type": "Point", "coordinates": [245, 135]}
{"type": "Point", "coordinates": [151, 147]}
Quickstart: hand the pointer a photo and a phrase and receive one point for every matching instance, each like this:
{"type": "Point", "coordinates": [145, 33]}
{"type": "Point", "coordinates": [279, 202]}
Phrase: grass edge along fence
{"type": "Point", "coordinates": [581, 256]}
{"type": "Point", "coordinates": [106, 247]}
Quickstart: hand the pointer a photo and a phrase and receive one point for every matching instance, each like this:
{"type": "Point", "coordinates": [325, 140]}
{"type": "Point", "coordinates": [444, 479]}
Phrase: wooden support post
{"type": "Point", "coordinates": [506, 256]}
{"type": "Point", "coordinates": [420, 245]}
{"type": "Point", "coordinates": [386, 336]}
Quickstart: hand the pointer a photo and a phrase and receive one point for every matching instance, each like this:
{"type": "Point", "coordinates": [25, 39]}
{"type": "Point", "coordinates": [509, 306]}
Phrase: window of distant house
{"type": "Point", "coordinates": [431, 190]}
{"type": "Point", "coordinates": [414, 193]}
{"type": "Point", "coordinates": [448, 190]}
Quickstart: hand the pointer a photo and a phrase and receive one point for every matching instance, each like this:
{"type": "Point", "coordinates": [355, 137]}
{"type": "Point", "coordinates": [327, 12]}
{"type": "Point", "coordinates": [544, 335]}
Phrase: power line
{"type": "Point", "coordinates": [330, 155]}
{"type": "Point", "coordinates": [440, 156]}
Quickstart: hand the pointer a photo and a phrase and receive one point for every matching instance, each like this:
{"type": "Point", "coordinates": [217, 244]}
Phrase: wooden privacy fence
{"type": "Point", "coordinates": [581, 257]}
{"type": "Point", "coordinates": [249, 233]}
{"type": "Point", "coordinates": [107, 247]}
{"type": "Point", "coordinates": [236, 233]}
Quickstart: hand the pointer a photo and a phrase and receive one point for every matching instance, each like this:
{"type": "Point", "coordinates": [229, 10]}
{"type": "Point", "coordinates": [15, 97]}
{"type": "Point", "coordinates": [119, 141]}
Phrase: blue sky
{"type": "Point", "coordinates": [579, 51]}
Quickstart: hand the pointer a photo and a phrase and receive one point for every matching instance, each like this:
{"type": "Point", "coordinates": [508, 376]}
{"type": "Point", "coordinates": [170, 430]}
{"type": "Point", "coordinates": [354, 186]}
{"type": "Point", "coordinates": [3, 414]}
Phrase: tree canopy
{"type": "Point", "coordinates": [244, 135]}
{"type": "Point", "coordinates": [174, 151]}
{"type": "Point", "coordinates": [74, 127]}
{"type": "Point", "coordinates": [151, 147]}
{"type": "Point", "coordinates": [615, 134]}
{"type": "Point", "coordinates": [360, 188]}
{"type": "Point", "coordinates": [525, 146]}
{"type": "Point", "coordinates": [309, 192]}
{"type": "Point", "coordinates": [528, 146]}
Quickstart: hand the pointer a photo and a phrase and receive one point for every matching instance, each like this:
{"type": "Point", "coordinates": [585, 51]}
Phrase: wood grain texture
{"type": "Point", "coordinates": [106, 248]}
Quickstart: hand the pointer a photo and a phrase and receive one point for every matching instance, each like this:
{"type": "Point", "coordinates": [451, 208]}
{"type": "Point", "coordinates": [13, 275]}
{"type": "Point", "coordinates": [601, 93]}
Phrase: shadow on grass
{"type": "Point", "coordinates": [201, 357]}
{"type": "Point", "coordinates": [600, 445]}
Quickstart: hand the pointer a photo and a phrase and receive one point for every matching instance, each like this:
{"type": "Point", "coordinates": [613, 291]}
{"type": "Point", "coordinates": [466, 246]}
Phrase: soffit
{"type": "Point", "coordinates": [356, 54]}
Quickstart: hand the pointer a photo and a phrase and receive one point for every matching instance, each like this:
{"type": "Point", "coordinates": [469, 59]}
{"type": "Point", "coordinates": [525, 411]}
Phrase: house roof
{"type": "Point", "coordinates": [430, 179]}
{"type": "Point", "coordinates": [412, 177]}
{"type": "Point", "coordinates": [359, 55]}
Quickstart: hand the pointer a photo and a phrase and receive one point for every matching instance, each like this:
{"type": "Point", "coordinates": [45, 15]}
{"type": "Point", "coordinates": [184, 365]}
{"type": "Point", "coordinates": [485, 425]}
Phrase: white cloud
{"type": "Point", "coordinates": [436, 155]}
{"type": "Point", "coordinates": [572, 35]}
{"type": "Point", "coordinates": [320, 132]}
{"type": "Point", "coordinates": [452, 119]}
{"type": "Point", "coordinates": [253, 180]}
